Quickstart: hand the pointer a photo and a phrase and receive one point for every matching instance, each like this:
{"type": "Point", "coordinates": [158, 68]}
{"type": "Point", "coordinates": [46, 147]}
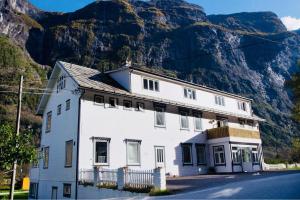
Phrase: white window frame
{"type": "Point", "coordinates": [189, 93]}
{"type": "Point", "coordinates": [236, 152]}
{"type": "Point", "coordinates": [242, 106]}
{"type": "Point", "coordinates": [154, 81]}
{"type": "Point", "coordinates": [105, 140]}
{"type": "Point", "coordinates": [198, 116]}
{"type": "Point", "coordinates": [163, 110]}
{"type": "Point", "coordinates": [48, 121]}
{"type": "Point", "coordinates": [138, 153]}
{"type": "Point", "coordinates": [220, 100]}
{"type": "Point", "coordinates": [181, 115]}
{"type": "Point", "coordinates": [191, 153]}
{"type": "Point", "coordinates": [255, 159]}
{"type": "Point", "coordinates": [218, 153]}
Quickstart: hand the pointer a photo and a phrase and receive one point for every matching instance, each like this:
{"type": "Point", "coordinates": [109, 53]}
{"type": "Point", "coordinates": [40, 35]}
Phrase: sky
{"type": "Point", "coordinates": [287, 10]}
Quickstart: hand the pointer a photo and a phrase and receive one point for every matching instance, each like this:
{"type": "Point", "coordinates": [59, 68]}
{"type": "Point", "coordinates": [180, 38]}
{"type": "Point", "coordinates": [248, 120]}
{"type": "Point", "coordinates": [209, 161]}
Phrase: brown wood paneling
{"type": "Point", "coordinates": [232, 132]}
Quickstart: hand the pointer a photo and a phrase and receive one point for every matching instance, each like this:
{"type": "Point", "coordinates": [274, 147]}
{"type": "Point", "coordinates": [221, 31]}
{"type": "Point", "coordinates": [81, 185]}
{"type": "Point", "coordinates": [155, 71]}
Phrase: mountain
{"type": "Point", "coordinates": [251, 54]}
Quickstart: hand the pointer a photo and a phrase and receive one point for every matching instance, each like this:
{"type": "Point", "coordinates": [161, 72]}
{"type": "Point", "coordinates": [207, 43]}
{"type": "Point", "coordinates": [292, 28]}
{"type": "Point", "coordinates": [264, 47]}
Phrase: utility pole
{"type": "Point", "coordinates": [13, 178]}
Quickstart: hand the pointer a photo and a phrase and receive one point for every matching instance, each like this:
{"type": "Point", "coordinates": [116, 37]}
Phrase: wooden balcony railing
{"type": "Point", "coordinates": [232, 132]}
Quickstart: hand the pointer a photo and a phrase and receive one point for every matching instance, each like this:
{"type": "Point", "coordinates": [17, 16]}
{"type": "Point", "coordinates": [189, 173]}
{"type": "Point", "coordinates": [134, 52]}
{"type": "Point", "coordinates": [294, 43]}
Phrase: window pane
{"type": "Point", "coordinates": [46, 157]}
{"type": "Point", "coordinates": [194, 94]}
{"type": "Point", "coordinates": [145, 84]}
{"type": "Point", "coordinates": [99, 99]}
{"type": "Point", "coordinates": [127, 104]}
{"type": "Point", "coordinates": [160, 117]}
{"type": "Point", "coordinates": [198, 123]}
{"type": "Point", "coordinates": [151, 85]}
{"type": "Point", "coordinates": [186, 153]}
{"type": "Point", "coordinates": [140, 106]}
{"type": "Point", "coordinates": [69, 151]}
{"type": "Point", "coordinates": [101, 152]}
{"type": "Point", "coordinates": [201, 159]}
{"type": "Point", "coordinates": [156, 86]}
{"type": "Point", "coordinates": [133, 153]}
{"type": "Point", "coordinates": [48, 122]}
{"type": "Point", "coordinates": [184, 121]}
{"type": "Point", "coordinates": [185, 92]}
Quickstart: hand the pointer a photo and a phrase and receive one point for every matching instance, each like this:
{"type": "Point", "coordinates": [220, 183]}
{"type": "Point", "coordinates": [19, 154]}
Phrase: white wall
{"type": "Point", "coordinates": [64, 128]}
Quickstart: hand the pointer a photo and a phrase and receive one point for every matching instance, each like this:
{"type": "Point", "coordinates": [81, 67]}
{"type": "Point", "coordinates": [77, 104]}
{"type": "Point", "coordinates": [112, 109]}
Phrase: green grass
{"type": "Point", "coordinates": [294, 168]}
{"type": "Point", "coordinates": [159, 192]}
{"type": "Point", "coordinates": [19, 194]}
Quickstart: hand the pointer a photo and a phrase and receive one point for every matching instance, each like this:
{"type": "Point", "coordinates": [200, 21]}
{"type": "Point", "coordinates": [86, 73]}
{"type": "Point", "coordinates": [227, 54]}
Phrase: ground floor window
{"type": "Point", "coordinates": [133, 152]}
{"type": "Point", "coordinates": [33, 190]}
{"type": "Point", "coordinates": [101, 151]}
{"type": "Point", "coordinates": [255, 155]}
{"type": "Point", "coordinates": [201, 154]}
{"type": "Point", "coordinates": [236, 155]}
{"type": "Point", "coordinates": [67, 190]}
{"type": "Point", "coordinates": [187, 157]}
{"type": "Point", "coordinates": [219, 155]}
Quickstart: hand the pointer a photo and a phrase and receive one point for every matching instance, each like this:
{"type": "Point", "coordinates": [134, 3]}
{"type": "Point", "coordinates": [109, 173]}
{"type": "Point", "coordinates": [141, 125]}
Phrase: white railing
{"type": "Point", "coordinates": [86, 175]}
{"type": "Point", "coordinates": [108, 176]}
{"type": "Point", "coordinates": [279, 166]}
{"type": "Point", "coordinates": [139, 178]}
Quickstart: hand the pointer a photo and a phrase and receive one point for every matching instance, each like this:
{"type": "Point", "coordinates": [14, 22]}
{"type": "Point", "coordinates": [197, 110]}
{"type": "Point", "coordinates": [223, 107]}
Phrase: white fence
{"type": "Point", "coordinates": [124, 178]}
{"type": "Point", "coordinates": [279, 166]}
{"type": "Point", "coordinates": [139, 178]}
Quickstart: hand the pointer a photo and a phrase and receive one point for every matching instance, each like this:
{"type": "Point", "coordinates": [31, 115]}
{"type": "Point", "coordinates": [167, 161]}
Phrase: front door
{"type": "Point", "coordinates": [246, 159]}
{"type": "Point", "coordinates": [54, 193]}
{"type": "Point", "coordinates": [159, 156]}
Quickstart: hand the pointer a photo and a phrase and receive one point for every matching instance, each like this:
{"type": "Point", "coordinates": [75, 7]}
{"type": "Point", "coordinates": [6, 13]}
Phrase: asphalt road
{"type": "Point", "coordinates": [286, 186]}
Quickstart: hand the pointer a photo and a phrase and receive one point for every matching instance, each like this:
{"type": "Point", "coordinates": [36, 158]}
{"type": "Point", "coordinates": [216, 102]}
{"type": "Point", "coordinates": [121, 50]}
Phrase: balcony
{"type": "Point", "coordinates": [232, 132]}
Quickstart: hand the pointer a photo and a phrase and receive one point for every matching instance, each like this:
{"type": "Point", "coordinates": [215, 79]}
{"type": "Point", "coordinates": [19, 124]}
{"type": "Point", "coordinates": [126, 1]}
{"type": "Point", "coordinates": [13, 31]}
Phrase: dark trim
{"type": "Point", "coordinates": [128, 101]}
{"type": "Point", "coordinates": [78, 137]}
{"type": "Point", "coordinates": [184, 110]}
{"type": "Point", "coordinates": [132, 140]}
{"type": "Point", "coordinates": [214, 155]}
{"type": "Point", "coordinates": [100, 138]}
{"type": "Point", "coordinates": [246, 143]}
{"type": "Point", "coordinates": [160, 105]}
{"type": "Point", "coordinates": [117, 102]}
{"type": "Point", "coordinates": [197, 112]}
{"type": "Point", "coordinates": [96, 103]}
{"type": "Point", "coordinates": [191, 147]}
{"type": "Point", "coordinates": [69, 166]}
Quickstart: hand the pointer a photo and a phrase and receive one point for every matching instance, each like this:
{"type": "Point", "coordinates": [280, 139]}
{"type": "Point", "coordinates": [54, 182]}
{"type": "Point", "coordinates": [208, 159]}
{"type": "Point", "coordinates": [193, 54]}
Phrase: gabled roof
{"type": "Point", "coordinates": [92, 79]}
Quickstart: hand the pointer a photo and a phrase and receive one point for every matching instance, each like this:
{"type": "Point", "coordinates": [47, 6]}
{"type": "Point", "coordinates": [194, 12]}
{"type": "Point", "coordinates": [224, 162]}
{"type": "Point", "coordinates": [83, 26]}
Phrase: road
{"type": "Point", "coordinates": [276, 187]}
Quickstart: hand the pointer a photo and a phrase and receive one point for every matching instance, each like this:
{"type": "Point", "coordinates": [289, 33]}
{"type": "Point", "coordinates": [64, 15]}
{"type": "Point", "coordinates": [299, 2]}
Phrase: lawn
{"type": "Point", "coordinates": [19, 194]}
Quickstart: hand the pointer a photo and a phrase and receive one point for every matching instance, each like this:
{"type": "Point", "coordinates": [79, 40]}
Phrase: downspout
{"type": "Point", "coordinates": [78, 137]}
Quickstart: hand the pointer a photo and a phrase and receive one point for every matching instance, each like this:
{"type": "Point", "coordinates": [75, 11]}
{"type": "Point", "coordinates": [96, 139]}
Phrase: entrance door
{"type": "Point", "coordinates": [54, 193]}
{"type": "Point", "coordinates": [246, 158]}
{"type": "Point", "coordinates": [159, 156]}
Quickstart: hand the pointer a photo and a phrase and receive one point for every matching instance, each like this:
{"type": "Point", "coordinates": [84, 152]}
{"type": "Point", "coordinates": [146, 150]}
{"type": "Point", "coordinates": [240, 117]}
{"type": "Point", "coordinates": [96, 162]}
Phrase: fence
{"type": "Point", "coordinates": [280, 166]}
{"type": "Point", "coordinates": [124, 178]}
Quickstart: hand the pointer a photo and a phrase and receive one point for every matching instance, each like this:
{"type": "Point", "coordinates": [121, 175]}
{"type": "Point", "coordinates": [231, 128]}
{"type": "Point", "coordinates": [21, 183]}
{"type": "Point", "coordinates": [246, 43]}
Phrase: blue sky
{"type": "Point", "coordinates": [283, 8]}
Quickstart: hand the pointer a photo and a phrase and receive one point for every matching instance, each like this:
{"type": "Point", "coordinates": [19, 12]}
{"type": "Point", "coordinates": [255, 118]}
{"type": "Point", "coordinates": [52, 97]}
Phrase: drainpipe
{"type": "Point", "coordinates": [78, 137]}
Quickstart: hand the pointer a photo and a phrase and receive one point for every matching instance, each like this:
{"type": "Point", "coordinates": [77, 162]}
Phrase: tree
{"type": "Point", "coordinates": [14, 147]}
{"type": "Point", "coordinates": [295, 155]}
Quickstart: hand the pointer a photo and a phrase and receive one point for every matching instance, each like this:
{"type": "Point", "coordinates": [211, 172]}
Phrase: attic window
{"type": "Point", "coordinates": [61, 83]}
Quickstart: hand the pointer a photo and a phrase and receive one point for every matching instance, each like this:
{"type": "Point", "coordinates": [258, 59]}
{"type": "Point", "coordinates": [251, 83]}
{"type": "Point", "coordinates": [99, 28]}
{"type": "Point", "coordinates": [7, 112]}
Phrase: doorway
{"type": "Point", "coordinates": [54, 193]}
{"type": "Point", "coordinates": [246, 159]}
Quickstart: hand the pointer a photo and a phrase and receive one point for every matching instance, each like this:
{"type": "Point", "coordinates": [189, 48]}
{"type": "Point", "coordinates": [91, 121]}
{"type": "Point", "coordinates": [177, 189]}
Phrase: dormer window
{"type": "Point", "coordinates": [219, 100]}
{"type": "Point", "coordinates": [150, 84]}
{"type": "Point", "coordinates": [189, 93]}
{"type": "Point", "coordinates": [61, 83]}
{"type": "Point", "coordinates": [242, 105]}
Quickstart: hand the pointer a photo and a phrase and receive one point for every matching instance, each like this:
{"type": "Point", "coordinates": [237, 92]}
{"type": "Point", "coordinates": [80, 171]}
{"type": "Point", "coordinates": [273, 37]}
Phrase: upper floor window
{"type": "Point", "coordinates": [48, 121]}
{"type": "Point", "coordinates": [189, 93]}
{"type": "Point", "coordinates": [61, 83]}
{"type": "Point", "coordinates": [222, 121]}
{"type": "Point", "coordinates": [184, 120]}
{"type": "Point", "coordinates": [140, 106]}
{"type": "Point", "coordinates": [150, 84]}
{"type": "Point", "coordinates": [219, 100]}
{"type": "Point", "coordinates": [113, 102]}
{"type": "Point", "coordinates": [160, 116]}
{"type": "Point", "coordinates": [127, 104]}
{"type": "Point", "coordinates": [68, 104]}
{"type": "Point", "coordinates": [198, 121]}
{"type": "Point", "coordinates": [242, 123]}
{"type": "Point", "coordinates": [59, 109]}
{"type": "Point", "coordinates": [99, 100]}
{"type": "Point", "coordinates": [242, 106]}
{"type": "Point", "coordinates": [69, 153]}
{"type": "Point", "coordinates": [46, 157]}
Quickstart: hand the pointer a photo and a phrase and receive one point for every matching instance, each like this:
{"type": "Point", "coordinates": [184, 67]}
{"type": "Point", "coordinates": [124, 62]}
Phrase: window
{"type": "Point", "coordinates": [160, 117]}
{"type": "Point", "coordinates": [219, 155]}
{"type": "Point", "coordinates": [98, 100]}
{"type": "Point", "coordinates": [187, 158]}
{"type": "Point", "coordinates": [236, 155]}
{"type": "Point", "coordinates": [133, 149]}
{"type": "Point", "coordinates": [101, 151]}
{"type": "Point", "coordinates": [246, 154]}
{"type": "Point", "coordinates": [152, 85]}
{"type": "Point", "coordinates": [189, 93]}
{"type": "Point", "coordinates": [222, 121]}
{"type": "Point", "coordinates": [68, 153]}
{"type": "Point", "coordinates": [242, 106]}
{"type": "Point", "coordinates": [113, 102]}
{"type": "Point", "coordinates": [48, 121]}
{"type": "Point", "coordinates": [140, 106]}
{"type": "Point", "coordinates": [33, 190]}
{"type": "Point", "coordinates": [59, 109]}
{"type": "Point", "coordinates": [219, 100]}
{"type": "Point", "coordinates": [67, 190]}
{"type": "Point", "coordinates": [68, 104]}
{"type": "Point", "coordinates": [201, 154]}
{"type": "Point", "coordinates": [61, 83]}
{"type": "Point", "coordinates": [242, 123]}
{"type": "Point", "coordinates": [198, 121]}
{"type": "Point", "coordinates": [184, 120]}
{"type": "Point", "coordinates": [255, 155]}
{"type": "Point", "coordinates": [46, 157]}
{"type": "Point", "coordinates": [127, 105]}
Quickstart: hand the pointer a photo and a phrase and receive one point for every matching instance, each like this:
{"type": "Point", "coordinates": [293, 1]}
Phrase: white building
{"type": "Point", "coordinates": [140, 119]}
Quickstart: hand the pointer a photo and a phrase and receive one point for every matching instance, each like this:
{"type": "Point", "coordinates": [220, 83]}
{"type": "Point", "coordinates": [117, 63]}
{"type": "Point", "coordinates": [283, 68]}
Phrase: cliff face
{"type": "Point", "coordinates": [250, 54]}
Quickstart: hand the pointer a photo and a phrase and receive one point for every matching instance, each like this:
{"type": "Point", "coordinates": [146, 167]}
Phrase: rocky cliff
{"type": "Point", "coordinates": [251, 54]}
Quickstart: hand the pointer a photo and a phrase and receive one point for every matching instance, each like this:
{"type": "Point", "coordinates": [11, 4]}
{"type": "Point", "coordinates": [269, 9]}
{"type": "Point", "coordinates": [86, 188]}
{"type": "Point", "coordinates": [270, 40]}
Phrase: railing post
{"type": "Point", "coordinates": [159, 179]}
{"type": "Point", "coordinates": [96, 175]}
{"type": "Point", "coordinates": [121, 178]}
